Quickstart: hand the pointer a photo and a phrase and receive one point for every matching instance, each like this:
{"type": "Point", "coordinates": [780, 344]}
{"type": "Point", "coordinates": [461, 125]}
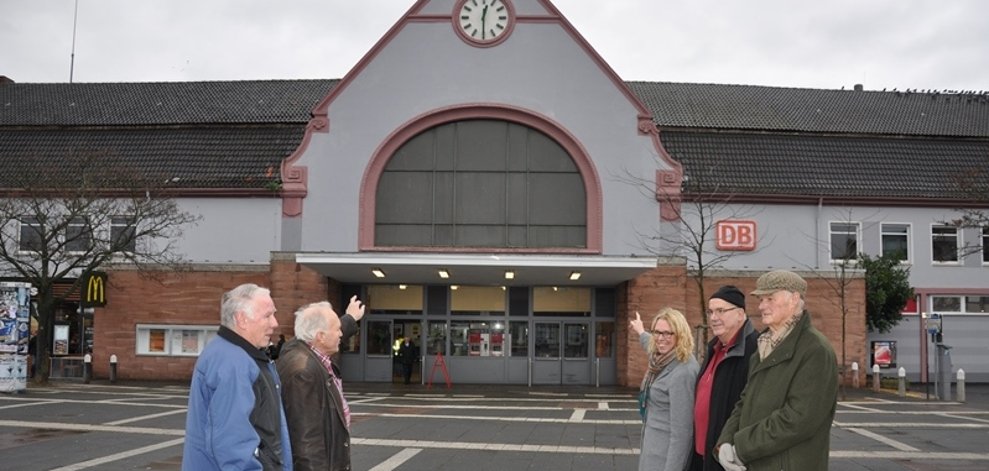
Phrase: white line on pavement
{"type": "Point", "coordinates": [145, 417]}
{"type": "Point", "coordinates": [119, 456]}
{"type": "Point", "coordinates": [91, 427]}
{"type": "Point", "coordinates": [501, 419]}
{"type": "Point", "coordinates": [962, 416]}
{"type": "Point", "coordinates": [397, 459]}
{"type": "Point", "coordinates": [26, 404]}
{"type": "Point", "coordinates": [603, 405]}
{"type": "Point", "coordinates": [879, 438]}
{"type": "Point", "coordinates": [494, 446]}
{"type": "Point", "coordinates": [907, 425]}
{"type": "Point", "coordinates": [578, 415]}
{"type": "Point", "coordinates": [934, 456]}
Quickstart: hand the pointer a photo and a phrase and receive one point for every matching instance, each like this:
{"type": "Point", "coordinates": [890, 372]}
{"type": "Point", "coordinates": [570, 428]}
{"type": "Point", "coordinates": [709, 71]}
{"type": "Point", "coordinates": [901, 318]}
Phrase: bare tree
{"type": "Point", "coordinates": [60, 223]}
{"type": "Point", "coordinates": [692, 214]}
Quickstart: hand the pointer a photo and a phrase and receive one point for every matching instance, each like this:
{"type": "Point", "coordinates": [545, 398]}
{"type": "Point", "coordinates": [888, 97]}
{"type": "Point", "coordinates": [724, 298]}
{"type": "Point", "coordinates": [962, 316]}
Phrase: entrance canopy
{"type": "Point", "coordinates": [477, 269]}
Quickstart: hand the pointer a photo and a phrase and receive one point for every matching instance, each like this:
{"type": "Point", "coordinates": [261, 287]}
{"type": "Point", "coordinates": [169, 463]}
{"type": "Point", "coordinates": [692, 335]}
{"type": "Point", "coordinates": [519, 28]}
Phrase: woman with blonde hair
{"type": "Point", "coordinates": [666, 397]}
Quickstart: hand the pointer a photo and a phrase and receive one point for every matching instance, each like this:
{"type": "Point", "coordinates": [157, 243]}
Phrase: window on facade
{"type": "Point", "coordinates": [895, 239]}
{"type": "Point", "coordinates": [31, 231]}
{"type": "Point", "coordinates": [844, 241]}
{"type": "Point", "coordinates": [483, 300]}
{"type": "Point", "coordinates": [78, 235]}
{"type": "Point", "coordinates": [379, 338]}
{"type": "Point", "coordinates": [395, 299]}
{"type": "Point", "coordinates": [603, 339]}
{"type": "Point", "coordinates": [944, 244]}
{"type": "Point", "coordinates": [173, 340]}
{"type": "Point", "coordinates": [436, 338]}
{"type": "Point", "coordinates": [481, 183]}
{"type": "Point", "coordinates": [478, 339]}
{"type": "Point", "coordinates": [575, 340]}
{"type": "Point", "coordinates": [941, 304]}
{"type": "Point", "coordinates": [561, 301]}
{"type": "Point", "coordinates": [122, 230]}
{"type": "Point", "coordinates": [519, 332]}
{"type": "Point", "coordinates": [985, 245]}
{"type": "Point", "coordinates": [977, 304]}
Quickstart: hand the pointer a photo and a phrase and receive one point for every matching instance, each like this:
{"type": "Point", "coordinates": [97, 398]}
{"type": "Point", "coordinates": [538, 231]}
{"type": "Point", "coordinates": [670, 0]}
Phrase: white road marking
{"type": "Point", "coordinates": [879, 438]}
{"type": "Point", "coordinates": [145, 417]}
{"type": "Point", "coordinates": [502, 419]}
{"type": "Point", "coordinates": [578, 415]}
{"type": "Point", "coordinates": [911, 455]}
{"type": "Point", "coordinates": [602, 406]}
{"type": "Point", "coordinates": [494, 446]}
{"type": "Point", "coordinates": [907, 425]}
{"type": "Point", "coordinates": [397, 459]}
{"type": "Point", "coordinates": [92, 428]}
{"type": "Point", "coordinates": [119, 456]}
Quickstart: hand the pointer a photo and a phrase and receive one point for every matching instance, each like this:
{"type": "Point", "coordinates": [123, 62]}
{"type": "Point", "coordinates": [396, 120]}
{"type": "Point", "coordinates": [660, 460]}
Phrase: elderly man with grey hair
{"type": "Point", "coordinates": [235, 418]}
{"type": "Point", "coordinates": [317, 412]}
{"type": "Point", "coordinates": [783, 419]}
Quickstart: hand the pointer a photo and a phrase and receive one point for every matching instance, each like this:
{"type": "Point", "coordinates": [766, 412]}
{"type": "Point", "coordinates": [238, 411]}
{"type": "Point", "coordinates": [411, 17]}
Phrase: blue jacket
{"type": "Point", "coordinates": [235, 419]}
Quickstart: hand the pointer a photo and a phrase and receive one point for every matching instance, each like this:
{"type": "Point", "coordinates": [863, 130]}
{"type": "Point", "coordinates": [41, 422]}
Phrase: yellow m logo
{"type": "Point", "coordinates": [96, 289]}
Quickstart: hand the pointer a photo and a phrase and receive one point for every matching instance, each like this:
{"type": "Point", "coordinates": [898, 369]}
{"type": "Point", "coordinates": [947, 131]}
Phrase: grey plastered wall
{"type": "Point", "coordinates": [426, 67]}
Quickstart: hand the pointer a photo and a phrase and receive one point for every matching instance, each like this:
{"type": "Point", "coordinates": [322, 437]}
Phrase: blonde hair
{"type": "Point", "coordinates": [678, 323]}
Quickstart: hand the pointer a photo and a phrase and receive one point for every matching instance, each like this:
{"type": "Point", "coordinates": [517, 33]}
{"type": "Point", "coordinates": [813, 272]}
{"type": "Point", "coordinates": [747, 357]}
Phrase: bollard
{"type": "Point", "coordinates": [960, 385]}
{"type": "Point", "coordinates": [875, 378]}
{"type": "Point", "coordinates": [902, 389]}
{"type": "Point", "coordinates": [855, 374]}
{"type": "Point", "coordinates": [113, 369]}
{"type": "Point", "coordinates": [87, 368]}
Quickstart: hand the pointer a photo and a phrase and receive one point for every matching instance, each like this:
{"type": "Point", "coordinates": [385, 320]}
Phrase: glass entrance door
{"type": "Point", "coordinates": [561, 353]}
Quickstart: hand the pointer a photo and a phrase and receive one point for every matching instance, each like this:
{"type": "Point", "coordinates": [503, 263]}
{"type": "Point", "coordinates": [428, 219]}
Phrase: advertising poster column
{"type": "Point", "coordinates": [15, 302]}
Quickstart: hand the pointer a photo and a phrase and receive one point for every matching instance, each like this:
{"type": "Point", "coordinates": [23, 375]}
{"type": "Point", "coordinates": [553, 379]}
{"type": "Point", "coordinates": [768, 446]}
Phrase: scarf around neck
{"type": "Point", "coordinates": [768, 341]}
{"type": "Point", "coordinates": [657, 362]}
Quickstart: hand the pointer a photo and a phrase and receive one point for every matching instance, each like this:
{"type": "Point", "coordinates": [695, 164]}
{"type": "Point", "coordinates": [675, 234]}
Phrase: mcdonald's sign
{"type": "Point", "coordinates": [95, 294]}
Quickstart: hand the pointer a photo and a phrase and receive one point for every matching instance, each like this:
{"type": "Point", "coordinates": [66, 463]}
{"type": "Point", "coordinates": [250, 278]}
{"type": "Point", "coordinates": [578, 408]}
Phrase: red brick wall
{"type": "Point", "coordinates": [647, 294]}
{"type": "Point", "coordinates": [173, 298]}
{"type": "Point", "coordinates": [293, 286]}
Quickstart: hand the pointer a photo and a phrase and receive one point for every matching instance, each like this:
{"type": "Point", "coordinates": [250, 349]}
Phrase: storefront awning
{"type": "Point", "coordinates": [477, 269]}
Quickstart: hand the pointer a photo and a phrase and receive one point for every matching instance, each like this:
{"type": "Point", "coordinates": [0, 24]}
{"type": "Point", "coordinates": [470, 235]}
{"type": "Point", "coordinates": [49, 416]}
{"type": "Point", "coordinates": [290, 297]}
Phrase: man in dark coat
{"type": "Point", "coordinates": [724, 373]}
{"type": "Point", "coordinates": [408, 353]}
{"type": "Point", "coordinates": [316, 410]}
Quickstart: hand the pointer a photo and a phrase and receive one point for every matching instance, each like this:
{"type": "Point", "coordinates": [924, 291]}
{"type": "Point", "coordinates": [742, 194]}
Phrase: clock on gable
{"type": "Point", "coordinates": [484, 22]}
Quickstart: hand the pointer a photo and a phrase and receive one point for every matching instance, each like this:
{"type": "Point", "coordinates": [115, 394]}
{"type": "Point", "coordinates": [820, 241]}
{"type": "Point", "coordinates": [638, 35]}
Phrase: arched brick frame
{"type": "Point", "coordinates": [369, 183]}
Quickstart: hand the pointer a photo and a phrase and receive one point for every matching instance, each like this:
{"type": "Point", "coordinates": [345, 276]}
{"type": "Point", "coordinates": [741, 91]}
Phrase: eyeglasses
{"type": "Point", "coordinates": [719, 311]}
{"type": "Point", "coordinates": [663, 333]}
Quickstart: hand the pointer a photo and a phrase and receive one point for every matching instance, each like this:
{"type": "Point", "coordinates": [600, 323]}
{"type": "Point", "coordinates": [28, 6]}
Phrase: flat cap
{"type": "Point", "coordinates": [780, 280]}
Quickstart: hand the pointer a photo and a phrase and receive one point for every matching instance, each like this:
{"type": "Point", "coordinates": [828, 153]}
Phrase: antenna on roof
{"type": "Point", "coordinates": [72, 57]}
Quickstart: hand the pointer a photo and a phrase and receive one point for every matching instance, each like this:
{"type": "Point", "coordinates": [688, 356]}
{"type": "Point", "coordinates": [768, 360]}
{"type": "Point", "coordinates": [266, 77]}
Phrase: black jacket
{"type": "Point", "coordinates": [729, 381]}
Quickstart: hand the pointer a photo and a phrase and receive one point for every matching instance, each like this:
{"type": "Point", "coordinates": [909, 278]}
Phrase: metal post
{"type": "Point", "coordinates": [597, 372]}
{"type": "Point", "coordinates": [855, 374]}
{"type": "Point", "coordinates": [875, 378]}
{"type": "Point", "coordinates": [87, 368]}
{"type": "Point", "coordinates": [530, 372]}
{"type": "Point", "coordinates": [113, 369]}
{"type": "Point", "coordinates": [901, 390]}
{"type": "Point", "coordinates": [960, 390]}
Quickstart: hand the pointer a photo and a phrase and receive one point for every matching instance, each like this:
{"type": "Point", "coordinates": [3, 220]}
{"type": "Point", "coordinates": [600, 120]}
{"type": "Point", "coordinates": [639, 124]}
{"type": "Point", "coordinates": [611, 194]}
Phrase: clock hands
{"type": "Point", "coordinates": [484, 14]}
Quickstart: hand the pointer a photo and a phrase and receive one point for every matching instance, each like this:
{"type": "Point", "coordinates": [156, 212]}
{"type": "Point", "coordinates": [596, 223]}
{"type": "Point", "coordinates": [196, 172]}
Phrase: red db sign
{"type": "Point", "coordinates": [736, 235]}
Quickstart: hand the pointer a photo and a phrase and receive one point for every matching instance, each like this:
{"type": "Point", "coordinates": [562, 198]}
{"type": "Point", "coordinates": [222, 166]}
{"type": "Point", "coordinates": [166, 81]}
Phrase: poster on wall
{"type": "Point", "coordinates": [884, 353]}
{"type": "Point", "coordinates": [15, 313]}
{"type": "Point", "coordinates": [61, 341]}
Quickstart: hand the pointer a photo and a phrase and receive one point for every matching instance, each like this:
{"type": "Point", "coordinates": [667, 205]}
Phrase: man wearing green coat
{"type": "Point", "coordinates": [783, 419]}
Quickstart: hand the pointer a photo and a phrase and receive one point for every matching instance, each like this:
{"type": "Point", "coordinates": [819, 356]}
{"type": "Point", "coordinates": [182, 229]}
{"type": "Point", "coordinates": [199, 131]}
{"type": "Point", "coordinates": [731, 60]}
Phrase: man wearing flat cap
{"type": "Point", "coordinates": [783, 419]}
{"type": "Point", "coordinates": [724, 373]}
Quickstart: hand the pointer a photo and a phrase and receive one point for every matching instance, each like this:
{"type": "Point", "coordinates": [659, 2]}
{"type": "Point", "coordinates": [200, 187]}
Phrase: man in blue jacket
{"type": "Point", "coordinates": [235, 418]}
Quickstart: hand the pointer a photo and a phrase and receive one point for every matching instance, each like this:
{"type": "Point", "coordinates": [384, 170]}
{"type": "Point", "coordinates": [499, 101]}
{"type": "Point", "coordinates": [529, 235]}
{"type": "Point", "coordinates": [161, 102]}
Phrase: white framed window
{"type": "Point", "coordinates": [895, 240]}
{"type": "Point", "coordinates": [844, 237]}
{"type": "Point", "coordinates": [985, 245]}
{"type": "Point", "coordinates": [78, 235]}
{"type": "Point", "coordinates": [122, 230]}
{"type": "Point", "coordinates": [960, 304]}
{"type": "Point", "coordinates": [173, 340]}
{"type": "Point", "coordinates": [31, 230]}
{"type": "Point", "coordinates": [945, 241]}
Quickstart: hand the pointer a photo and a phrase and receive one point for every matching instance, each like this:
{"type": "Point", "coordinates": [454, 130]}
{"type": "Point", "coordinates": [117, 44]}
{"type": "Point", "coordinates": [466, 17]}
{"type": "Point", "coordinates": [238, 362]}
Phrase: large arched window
{"type": "Point", "coordinates": [481, 183]}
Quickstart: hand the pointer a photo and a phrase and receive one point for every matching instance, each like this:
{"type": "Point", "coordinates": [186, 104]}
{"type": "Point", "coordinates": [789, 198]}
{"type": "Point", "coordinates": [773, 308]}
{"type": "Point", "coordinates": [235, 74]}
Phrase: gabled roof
{"type": "Point", "coordinates": [743, 107]}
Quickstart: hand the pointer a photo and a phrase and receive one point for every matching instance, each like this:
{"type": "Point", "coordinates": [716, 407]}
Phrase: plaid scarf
{"type": "Point", "coordinates": [769, 340]}
{"type": "Point", "coordinates": [328, 364]}
{"type": "Point", "coordinates": [657, 362]}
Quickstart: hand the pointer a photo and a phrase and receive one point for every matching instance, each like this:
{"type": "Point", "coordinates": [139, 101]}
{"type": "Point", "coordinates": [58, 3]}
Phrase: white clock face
{"type": "Point", "coordinates": [484, 20]}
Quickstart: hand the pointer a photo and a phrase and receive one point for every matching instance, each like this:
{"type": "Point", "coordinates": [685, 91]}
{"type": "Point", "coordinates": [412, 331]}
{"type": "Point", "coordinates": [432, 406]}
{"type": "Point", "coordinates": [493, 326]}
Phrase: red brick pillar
{"type": "Point", "coordinates": [294, 285]}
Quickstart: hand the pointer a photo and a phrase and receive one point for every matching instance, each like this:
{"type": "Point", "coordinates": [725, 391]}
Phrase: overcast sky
{"type": "Point", "coordinates": [917, 44]}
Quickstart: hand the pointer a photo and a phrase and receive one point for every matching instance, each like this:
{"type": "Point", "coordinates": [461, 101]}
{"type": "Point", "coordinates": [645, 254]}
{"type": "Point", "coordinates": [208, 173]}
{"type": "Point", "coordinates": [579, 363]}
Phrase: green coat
{"type": "Point", "coordinates": [783, 419]}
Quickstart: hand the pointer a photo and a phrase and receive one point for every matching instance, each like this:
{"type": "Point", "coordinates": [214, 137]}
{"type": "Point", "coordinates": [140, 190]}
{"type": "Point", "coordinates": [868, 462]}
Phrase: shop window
{"type": "Point", "coordinates": [575, 340]}
{"type": "Point", "coordinates": [394, 299]}
{"type": "Point", "coordinates": [944, 244]}
{"type": "Point", "coordinates": [844, 238]}
{"type": "Point", "coordinates": [604, 336]}
{"type": "Point", "coordinates": [561, 301]}
{"type": "Point", "coordinates": [478, 339]}
{"type": "Point", "coordinates": [173, 340]}
{"type": "Point", "coordinates": [547, 340]}
{"type": "Point", "coordinates": [436, 340]}
{"type": "Point", "coordinates": [123, 230]}
{"type": "Point", "coordinates": [379, 338]}
{"type": "Point", "coordinates": [895, 240]}
{"type": "Point", "coordinates": [477, 300]}
{"type": "Point", "coordinates": [519, 336]}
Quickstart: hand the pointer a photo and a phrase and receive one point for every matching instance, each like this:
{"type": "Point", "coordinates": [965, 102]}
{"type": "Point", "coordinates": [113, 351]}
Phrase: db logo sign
{"type": "Point", "coordinates": [736, 235]}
